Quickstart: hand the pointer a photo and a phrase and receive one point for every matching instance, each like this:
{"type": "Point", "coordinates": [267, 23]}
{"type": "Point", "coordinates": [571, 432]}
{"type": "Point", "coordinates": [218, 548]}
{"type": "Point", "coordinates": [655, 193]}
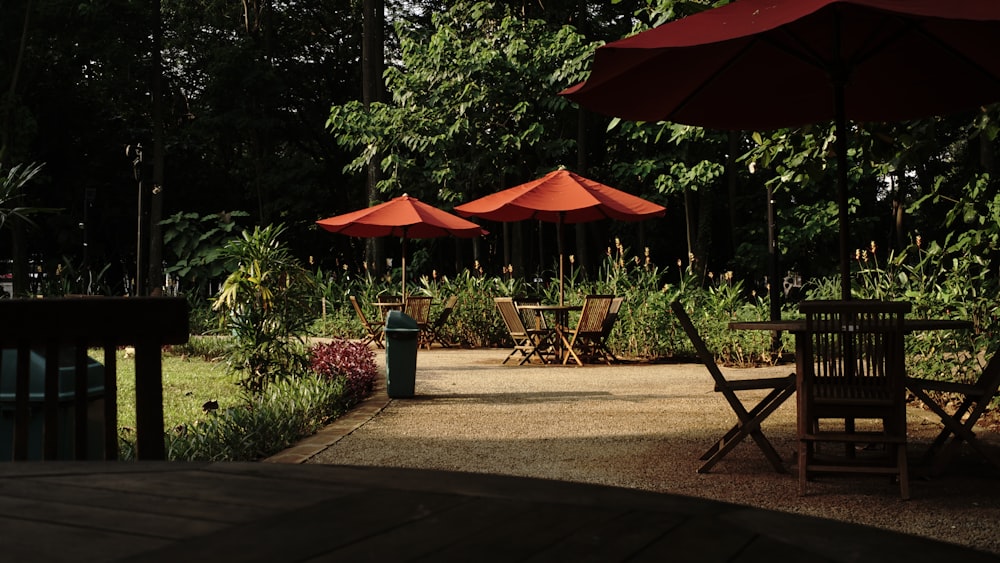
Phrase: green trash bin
{"type": "Point", "coordinates": [401, 338]}
{"type": "Point", "coordinates": [66, 401]}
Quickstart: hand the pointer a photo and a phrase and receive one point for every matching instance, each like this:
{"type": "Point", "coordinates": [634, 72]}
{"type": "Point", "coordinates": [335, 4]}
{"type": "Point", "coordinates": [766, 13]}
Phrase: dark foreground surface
{"type": "Point", "coordinates": [80, 511]}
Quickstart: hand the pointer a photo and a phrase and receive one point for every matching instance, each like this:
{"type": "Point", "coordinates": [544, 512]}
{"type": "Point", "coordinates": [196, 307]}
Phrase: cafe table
{"type": "Point", "coordinates": [386, 306]}
{"type": "Point", "coordinates": [559, 326]}
{"type": "Point", "coordinates": [798, 327]}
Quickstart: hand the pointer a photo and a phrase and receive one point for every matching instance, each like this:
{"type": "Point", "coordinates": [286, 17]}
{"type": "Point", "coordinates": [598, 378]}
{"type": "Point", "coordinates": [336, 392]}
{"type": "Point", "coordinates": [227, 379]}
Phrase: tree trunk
{"type": "Point", "coordinates": [373, 90]}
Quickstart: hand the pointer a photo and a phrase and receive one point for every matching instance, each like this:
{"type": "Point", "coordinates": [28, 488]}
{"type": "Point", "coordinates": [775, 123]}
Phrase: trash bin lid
{"type": "Point", "coordinates": [399, 321]}
{"type": "Point", "coordinates": [36, 374]}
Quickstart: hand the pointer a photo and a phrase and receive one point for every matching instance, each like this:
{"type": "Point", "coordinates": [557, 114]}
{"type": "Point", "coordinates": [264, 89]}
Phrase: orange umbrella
{"type": "Point", "coordinates": [561, 197]}
{"type": "Point", "coordinates": [406, 217]}
{"type": "Point", "coordinates": [765, 64]}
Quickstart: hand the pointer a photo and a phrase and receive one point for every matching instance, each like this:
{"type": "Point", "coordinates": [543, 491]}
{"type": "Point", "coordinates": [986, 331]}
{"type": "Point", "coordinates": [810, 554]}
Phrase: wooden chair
{"type": "Point", "coordinates": [375, 331]}
{"type": "Point", "coordinates": [958, 426]}
{"type": "Point", "coordinates": [748, 420]}
{"type": "Point", "coordinates": [433, 333]}
{"type": "Point", "coordinates": [609, 324]}
{"type": "Point", "coordinates": [585, 338]}
{"type": "Point", "coordinates": [72, 389]}
{"type": "Point", "coordinates": [418, 308]}
{"type": "Point", "coordinates": [852, 369]}
{"type": "Point", "coordinates": [526, 340]}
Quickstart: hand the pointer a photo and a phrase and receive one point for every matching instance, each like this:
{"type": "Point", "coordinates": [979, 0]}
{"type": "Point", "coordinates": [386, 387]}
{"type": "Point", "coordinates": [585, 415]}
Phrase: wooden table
{"type": "Point", "coordinates": [276, 513]}
{"type": "Point", "coordinates": [386, 306]}
{"type": "Point", "coordinates": [560, 316]}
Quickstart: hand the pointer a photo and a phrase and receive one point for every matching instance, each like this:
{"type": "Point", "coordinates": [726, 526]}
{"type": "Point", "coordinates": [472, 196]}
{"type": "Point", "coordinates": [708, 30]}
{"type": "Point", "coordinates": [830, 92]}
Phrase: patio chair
{"type": "Point", "coordinates": [958, 426]}
{"type": "Point", "coordinates": [852, 370]}
{"type": "Point", "coordinates": [586, 337]}
{"type": "Point", "coordinates": [375, 331]}
{"type": "Point", "coordinates": [609, 324]}
{"type": "Point", "coordinates": [418, 307]}
{"type": "Point", "coordinates": [526, 340]}
{"type": "Point", "coordinates": [433, 333]}
{"type": "Point", "coordinates": [748, 420]}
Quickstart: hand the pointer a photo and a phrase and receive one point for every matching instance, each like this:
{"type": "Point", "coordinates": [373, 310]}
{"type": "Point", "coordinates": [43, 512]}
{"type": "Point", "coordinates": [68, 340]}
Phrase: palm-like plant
{"type": "Point", "coordinates": [12, 183]}
{"type": "Point", "coordinates": [266, 305]}
{"type": "Point", "coordinates": [13, 212]}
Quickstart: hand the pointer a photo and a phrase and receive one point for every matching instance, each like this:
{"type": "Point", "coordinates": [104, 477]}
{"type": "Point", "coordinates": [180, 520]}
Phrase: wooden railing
{"type": "Point", "coordinates": [53, 411]}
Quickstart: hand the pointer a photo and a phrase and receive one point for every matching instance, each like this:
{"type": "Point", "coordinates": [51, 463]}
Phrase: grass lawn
{"type": "Point", "coordinates": [188, 383]}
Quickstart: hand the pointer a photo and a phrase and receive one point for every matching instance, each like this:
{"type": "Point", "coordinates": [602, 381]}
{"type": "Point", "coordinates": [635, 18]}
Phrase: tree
{"type": "Point", "coordinates": [474, 106]}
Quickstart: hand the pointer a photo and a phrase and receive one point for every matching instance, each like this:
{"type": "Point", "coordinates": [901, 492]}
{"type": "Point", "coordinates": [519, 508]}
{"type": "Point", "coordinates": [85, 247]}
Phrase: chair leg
{"type": "Point", "coordinates": [749, 425]}
{"type": "Point", "coordinates": [904, 472]}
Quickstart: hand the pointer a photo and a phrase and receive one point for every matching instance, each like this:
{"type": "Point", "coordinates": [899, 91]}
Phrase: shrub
{"type": "Point", "coordinates": [352, 361]}
{"type": "Point", "coordinates": [265, 304]}
{"type": "Point", "coordinates": [262, 425]}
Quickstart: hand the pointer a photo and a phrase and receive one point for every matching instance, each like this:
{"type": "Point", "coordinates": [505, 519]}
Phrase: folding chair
{"type": "Point", "coordinates": [851, 369]}
{"type": "Point", "coordinates": [418, 307]}
{"type": "Point", "coordinates": [958, 427]}
{"type": "Point", "coordinates": [526, 340]}
{"type": "Point", "coordinates": [433, 333]}
{"type": "Point", "coordinates": [375, 331]}
{"type": "Point", "coordinates": [748, 421]}
{"type": "Point", "coordinates": [609, 324]}
{"type": "Point", "coordinates": [587, 334]}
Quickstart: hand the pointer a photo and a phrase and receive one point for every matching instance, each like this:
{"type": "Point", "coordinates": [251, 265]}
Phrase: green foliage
{"type": "Point", "coordinates": [195, 246]}
{"type": "Point", "coordinates": [188, 383]}
{"type": "Point", "coordinates": [266, 304]}
{"type": "Point", "coordinates": [472, 103]}
{"type": "Point", "coordinates": [12, 183]}
{"type": "Point", "coordinates": [261, 425]}
{"type": "Point", "coordinates": [207, 348]}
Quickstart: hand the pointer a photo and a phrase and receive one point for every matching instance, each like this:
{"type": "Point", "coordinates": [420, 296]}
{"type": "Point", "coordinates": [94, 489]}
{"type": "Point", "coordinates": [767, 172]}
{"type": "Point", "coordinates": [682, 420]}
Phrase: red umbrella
{"type": "Point", "coordinates": [765, 64]}
{"type": "Point", "coordinates": [561, 197]}
{"type": "Point", "coordinates": [405, 217]}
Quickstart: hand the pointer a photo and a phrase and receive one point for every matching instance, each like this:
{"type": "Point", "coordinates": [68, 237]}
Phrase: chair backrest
{"type": "Point", "coordinates": [594, 312]}
{"type": "Point", "coordinates": [700, 347]}
{"type": "Point", "coordinates": [854, 351]}
{"type": "Point", "coordinates": [360, 313]}
{"type": "Point", "coordinates": [446, 310]}
{"type": "Point", "coordinates": [45, 345]}
{"type": "Point", "coordinates": [511, 316]}
{"type": "Point", "coordinates": [528, 317]}
{"type": "Point", "coordinates": [418, 308]}
{"type": "Point", "coordinates": [612, 317]}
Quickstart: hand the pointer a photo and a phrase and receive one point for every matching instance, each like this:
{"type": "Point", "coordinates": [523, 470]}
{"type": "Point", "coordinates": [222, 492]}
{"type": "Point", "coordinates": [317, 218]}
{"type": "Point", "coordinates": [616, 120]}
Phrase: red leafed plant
{"type": "Point", "coordinates": [353, 361]}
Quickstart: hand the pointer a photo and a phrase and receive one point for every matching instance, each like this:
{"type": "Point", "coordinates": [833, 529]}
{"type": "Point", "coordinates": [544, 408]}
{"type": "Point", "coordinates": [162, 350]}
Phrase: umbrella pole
{"type": "Point", "coordinates": [559, 238]}
{"type": "Point", "coordinates": [403, 262]}
{"type": "Point", "coordinates": [841, 148]}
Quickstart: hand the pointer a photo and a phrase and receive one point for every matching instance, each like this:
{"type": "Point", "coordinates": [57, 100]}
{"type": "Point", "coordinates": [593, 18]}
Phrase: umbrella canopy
{"type": "Point", "coordinates": [765, 64]}
{"type": "Point", "coordinates": [561, 197]}
{"type": "Point", "coordinates": [405, 217]}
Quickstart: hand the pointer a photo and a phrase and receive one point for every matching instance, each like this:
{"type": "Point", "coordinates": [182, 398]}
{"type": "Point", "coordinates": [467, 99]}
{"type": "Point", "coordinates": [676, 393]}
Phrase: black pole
{"type": "Point", "coordinates": [140, 236]}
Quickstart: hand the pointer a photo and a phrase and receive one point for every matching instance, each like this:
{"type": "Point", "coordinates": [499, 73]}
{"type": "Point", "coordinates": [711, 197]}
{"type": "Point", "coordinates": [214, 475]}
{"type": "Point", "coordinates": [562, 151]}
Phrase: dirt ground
{"type": "Point", "coordinates": [644, 426]}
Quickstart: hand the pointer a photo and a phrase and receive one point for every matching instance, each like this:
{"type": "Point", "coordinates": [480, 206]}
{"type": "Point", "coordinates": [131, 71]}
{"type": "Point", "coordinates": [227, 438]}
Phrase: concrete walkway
{"type": "Point", "coordinates": [640, 427]}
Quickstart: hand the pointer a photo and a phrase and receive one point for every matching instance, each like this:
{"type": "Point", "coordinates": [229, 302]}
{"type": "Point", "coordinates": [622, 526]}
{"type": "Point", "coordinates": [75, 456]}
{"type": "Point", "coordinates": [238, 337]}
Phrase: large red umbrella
{"type": "Point", "coordinates": [765, 64]}
{"type": "Point", "coordinates": [405, 217]}
{"type": "Point", "coordinates": [561, 197]}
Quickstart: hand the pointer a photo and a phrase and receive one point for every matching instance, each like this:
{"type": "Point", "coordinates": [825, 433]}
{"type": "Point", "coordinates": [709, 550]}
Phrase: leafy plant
{"type": "Point", "coordinates": [265, 304]}
{"type": "Point", "coordinates": [196, 246]}
{"type": "Point", "coordinates": [264, 424]}
{"type": "Point", "coordinates": [351, 361]}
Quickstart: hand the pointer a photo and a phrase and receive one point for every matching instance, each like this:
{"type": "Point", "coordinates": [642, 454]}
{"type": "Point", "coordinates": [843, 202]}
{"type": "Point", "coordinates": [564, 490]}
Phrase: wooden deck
{"type": "Point", "coordinates": [162, 511]}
